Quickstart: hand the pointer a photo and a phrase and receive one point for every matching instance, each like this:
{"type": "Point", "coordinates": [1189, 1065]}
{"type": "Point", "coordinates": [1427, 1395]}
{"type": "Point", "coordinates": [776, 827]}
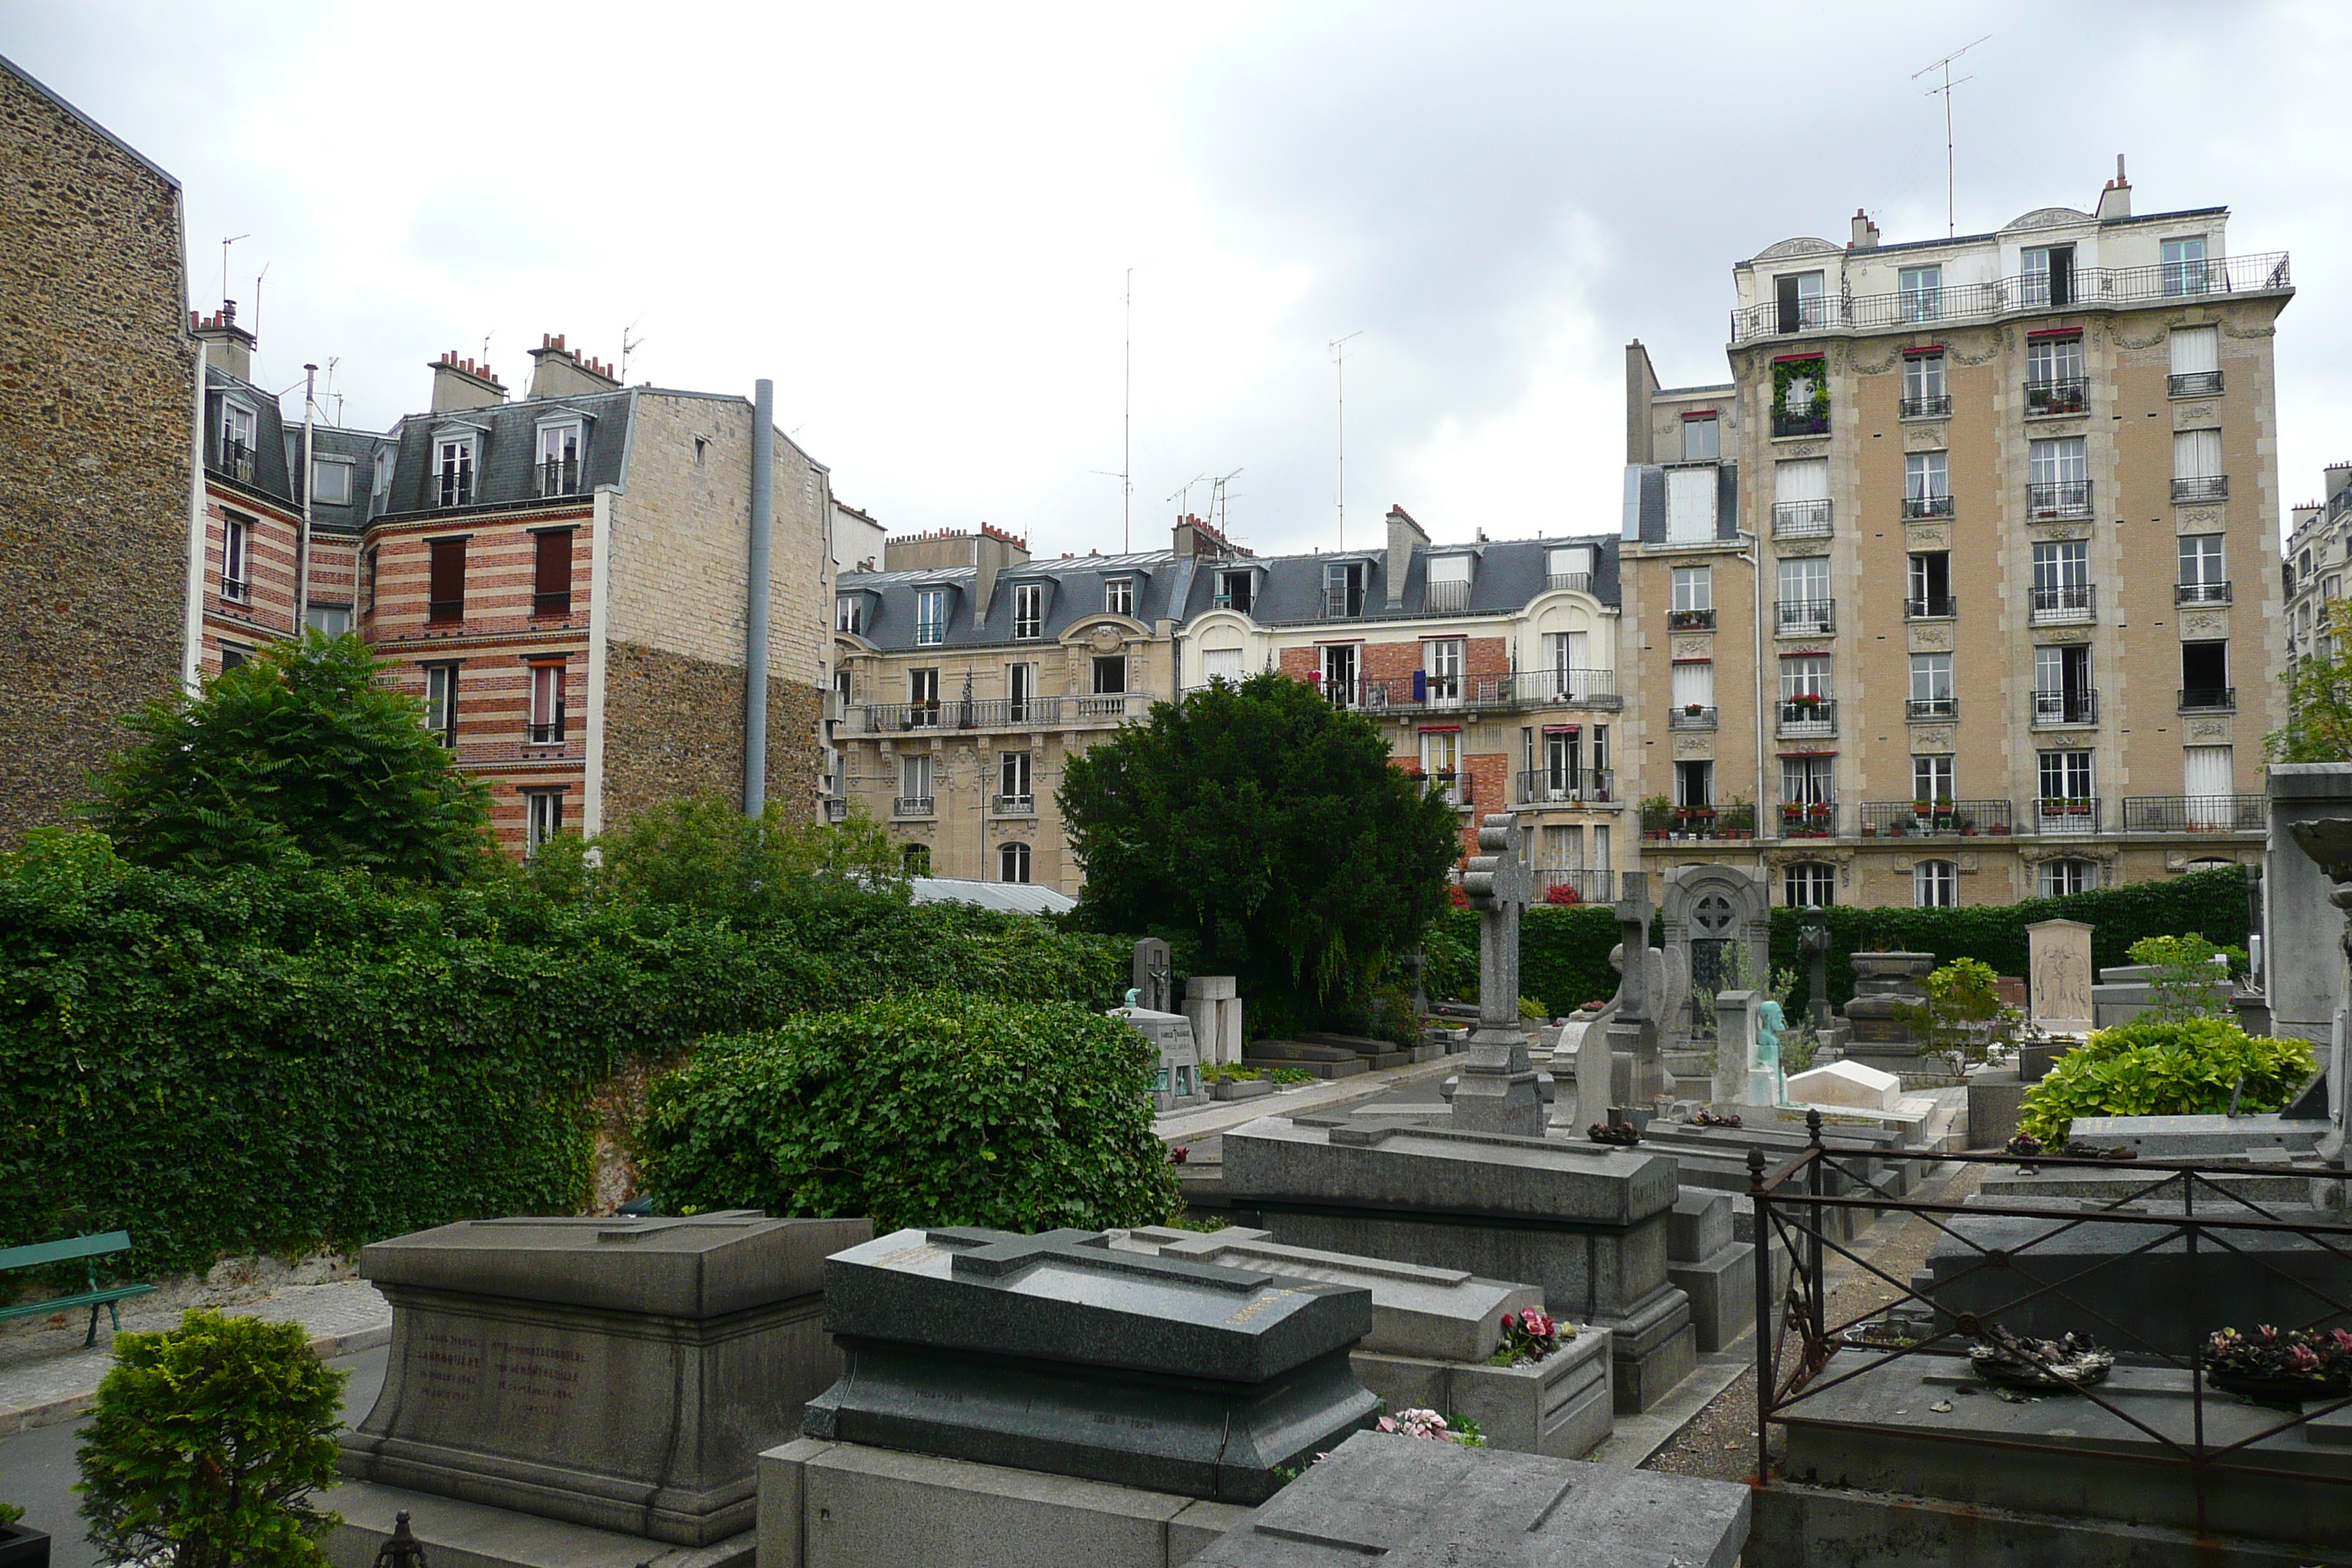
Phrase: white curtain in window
{"type": "Point", "coordinates": [2195, 351]}
{"type": "Point", "coordinates": [1695, 682]}
{"type": "Point", "coordinates": [1806, 480]}
{"type": "Point", "coordinates": [2196, 454]}
{"type": "Point", "coordinates": [1449, 569]}
{"type": "Point", "coordinates": [2208, 778]}
{"type": "Point", "coordinates": [1221, 664]}
{"type": "Point", "coordinates": [1690, 503]}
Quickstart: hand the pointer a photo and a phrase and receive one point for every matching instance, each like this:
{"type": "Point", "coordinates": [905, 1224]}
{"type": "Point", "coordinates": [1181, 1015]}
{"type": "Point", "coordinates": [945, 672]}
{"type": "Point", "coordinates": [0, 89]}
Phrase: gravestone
{"type": "Point", "coordinates": [1067, 1357]}
{"type": "Point", "coordinates": [1888, 989]}
{"type": "Point", "coordinates": [1153, 979]}
{"type": "Point", "coordinates": [620, 1373]}
{"type": "Point", "coordinates": [1847, 1085]}
{"type": "Point", "coordinates": [1213, 1003]}
{"type": "Point", "coordinates": [1497, 1091]}
{"type": "Point", "coordinates": [1706, 914]}
{"type": "Point", "coordinates": [1735, 1045]}
{"type": "Point", "coordinates": [1176, 1081]}
{"type": "Point", "coordinates": [2058, 975]}
{"type": "Point", "coordinates": [1813, 945]}
{"type": "Point", "coordinates": [1637, 1075]}
{"type": "Point", "coordinates": [2307, 891]}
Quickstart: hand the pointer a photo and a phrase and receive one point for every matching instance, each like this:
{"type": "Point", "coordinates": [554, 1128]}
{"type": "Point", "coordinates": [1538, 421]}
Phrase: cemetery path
{"type": "Point", "coordinates": [1202, 1122]}
{"type": "Point", "coordinates": [1720, 1444]}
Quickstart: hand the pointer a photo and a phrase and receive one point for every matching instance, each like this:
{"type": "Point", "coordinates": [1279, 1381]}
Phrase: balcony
{"type": "Point", "coordinates": [1737, 820]}
{"type": "Point", "coordinates": [1800, 519]}
{"type": "Point", "coordinates": [1571, 581]}
{"type": "Point", "coordinates": [2202, 488]}
{"type": "Point", "coordinates": [1001, 712]}
{"type": "Point", "coordinates": [2071, 604]}
{"type": "Point", "coordinates": [1574, 885]}
{"type": "Point", "coordinates": [1800, 423]}
{"type": "Point", "coordinates": [1445, 598]}
{"type": "Point", "coordinates": [2051, 707]}
{"type": "Point", "coordinates": [836, 809]}
{"type": "Point", "coordinates": [2195, 814]}
{"type": "Point", "coordinates": [236, 461]}
{"type": "Point", "coordinates": [1691, 716]}
{"type": "Point", "coordinates": [1690, 620]}
{"type": "Point", "coordinates": [1809, 819]}
{"type": "Point", "coordinates": [443, 612]}
{"type": "Point", "coordinates": [549, 734]}
{"type": "Point", "coordinates": [1013, 806]}
{"type": "Point", "coordinates": [1426, 693]}
{"type": "Point", "coordinates": [1454, 789]}
{"type": "Point", "coordinates": [2209, 700]}
{"type": "Point", "coordinates": [1566, 786]}
{"type": "Point", "coordinates": [1805, 718]}
{"type": "Point", "coordinates": [559, 475]}
{"type": "Point", "coordinates": [2091, 287]}
{"type": "Point", "coordinates": [2065, 395]}
{"type": "Point", "coordinates": [1936, 407]}
{"type": "Point", "coordinates": [2194, 384]}
{"type": "Point", "coordinates": [1804, 618]}
{"type": "Point", "coordinates": [1930, 607]}
{"type": "Point", "coordinates": [911, 805]}
{"type": "Point", "coordinates": [1919, 508]}
{"type": "Point", "coordinates": [236, 589]}
{"type": "Point", "coordinates": [455, 488]}
{"type": "Point", "coordinates": [1931, 708]}
{"type": "Point", "coordinates": [2200, 593]}
{"type": "Point", "coordinates": [2067, 815]}
{"type": "Point", "coordinates": [2057, 498]}
{"type": "Point", "coordinates": [1944, 818]}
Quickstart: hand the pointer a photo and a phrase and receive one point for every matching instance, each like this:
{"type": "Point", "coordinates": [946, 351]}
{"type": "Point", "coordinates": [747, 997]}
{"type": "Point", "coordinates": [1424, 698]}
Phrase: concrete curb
{"type": "Point", "coordinates": [72, 1407]}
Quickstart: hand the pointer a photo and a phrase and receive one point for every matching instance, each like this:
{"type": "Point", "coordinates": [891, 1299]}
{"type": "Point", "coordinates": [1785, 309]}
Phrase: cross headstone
{"type": "Point", "coordinates": [1814, 942]}
{"type": "Point", "coordinates": [1154, 989]}
{"type": "Point", "coordinates": [1498, 1088]}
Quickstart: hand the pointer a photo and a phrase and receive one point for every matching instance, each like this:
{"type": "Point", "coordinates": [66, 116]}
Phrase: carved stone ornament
{"type": "Point", "coordinates": [1804, 449]}
{"type": "Point", "coordinates": [1930, 637]}
{"type": "Point", "coordinates": [2199, 625]}
{"type": "Point", "coordinates": [1966, 864]}
{"type": "Point", "coordinates": [1927, 437]}
{"type": "Point", "coordinates": [2195, 518]}
{"type": "Point", "coordinates": [2062, 634]}
{"type": "Point", "coordinates": [1694, 748]}
{"type": "Point", "coordinates": [1105, 639]}
{"type": "Point", "coordinates": [1841, 858]}
{"type": "Point", "coordinates": [2035, 853]}
{"type": "Point", "coordinates": [2209, 729]}
{"type": "Point", "coordinates": [1928, 535]}
{"type": "Point", "coordinates": [1786, 548]}
{"type": "Point", "coordinates": [2191, 416]}
{"type": "Point", "coordinates": [2059, 530]}
{"type": "Point", "coordinates": [1932, 738]}
{"type": "Point", "coordinates": [1689, 646]}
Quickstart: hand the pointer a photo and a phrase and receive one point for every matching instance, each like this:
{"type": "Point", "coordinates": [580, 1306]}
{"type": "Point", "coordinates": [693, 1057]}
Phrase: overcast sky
{"type": "Point", "coordinates": [919, 222]}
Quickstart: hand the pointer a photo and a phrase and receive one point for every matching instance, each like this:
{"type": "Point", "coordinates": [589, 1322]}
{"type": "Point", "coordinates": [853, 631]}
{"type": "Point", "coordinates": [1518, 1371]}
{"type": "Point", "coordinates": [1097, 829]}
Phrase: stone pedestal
{"type": "Point", "coordinates": [1886, 987]}
{"type": "Point", "coordinates": [1176, 1083]}
{"type": "Point", "coordinates": [618, 1373]}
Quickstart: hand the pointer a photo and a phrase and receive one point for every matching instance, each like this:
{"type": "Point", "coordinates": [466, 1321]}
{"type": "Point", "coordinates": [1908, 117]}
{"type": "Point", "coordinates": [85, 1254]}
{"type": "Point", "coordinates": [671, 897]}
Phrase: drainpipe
{"type": "Point", "coordinates": [755, 614]}
{"type": "Point", "coordinates": [310, 471]}
{"type": "Point", "coordinates": [191, 630]}
{"type": "Point", "coordinates": [1754, 556]}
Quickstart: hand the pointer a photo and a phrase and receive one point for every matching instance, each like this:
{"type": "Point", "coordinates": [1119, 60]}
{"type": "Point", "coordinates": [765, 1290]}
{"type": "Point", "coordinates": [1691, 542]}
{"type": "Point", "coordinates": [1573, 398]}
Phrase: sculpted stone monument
{"type": "Point", "coordinates": [1709, 914]}
{"type": "Point", "coordinates": [1213, 1003]}
{"type": "Point", "coordinates": [1813, 943]}
{"type": "Point", "coordinates": [1498, 1089]}
{"type": "Point", "coordinates": [1735, 1045]}
{"type": "Point", "coordinates": [2058, 995]}
{"type": "Point", "coordinates": [1154, 984]}
{"type": "Point", "coordinates": [1636, 1074]}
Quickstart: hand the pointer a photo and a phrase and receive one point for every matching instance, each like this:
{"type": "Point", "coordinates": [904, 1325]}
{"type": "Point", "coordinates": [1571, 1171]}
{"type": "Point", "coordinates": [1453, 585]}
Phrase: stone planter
{"type": "Point", "coordinates": [22, 1548]}
{"type": "Point", "coordinates": [1562, 1406]}
{"type": "Point", "coordinates": [1241, 1088]}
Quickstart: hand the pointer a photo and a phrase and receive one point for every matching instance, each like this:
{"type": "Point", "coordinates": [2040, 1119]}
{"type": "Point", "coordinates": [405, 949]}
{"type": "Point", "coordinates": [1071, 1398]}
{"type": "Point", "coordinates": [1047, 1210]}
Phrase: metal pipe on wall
{"type": "Point", "coordinates": [310, 475]}
{"type": "Point", "coordinates": [191, 628]}
{"type": "Point", "coordinates": [755, 613]}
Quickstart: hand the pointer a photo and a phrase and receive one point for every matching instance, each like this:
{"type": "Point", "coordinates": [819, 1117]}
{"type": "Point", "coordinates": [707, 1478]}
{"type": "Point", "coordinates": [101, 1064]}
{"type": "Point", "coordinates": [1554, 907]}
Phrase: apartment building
{"type": "Point", "coordinates": [2318, 560]}
{"type": "Point", "coordinates": [1961, 588]}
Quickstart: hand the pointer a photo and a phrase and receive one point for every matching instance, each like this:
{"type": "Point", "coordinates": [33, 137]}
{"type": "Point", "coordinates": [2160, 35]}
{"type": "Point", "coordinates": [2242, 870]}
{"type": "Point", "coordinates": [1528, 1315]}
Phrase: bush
{"type": "Point", "coordinates": [926, 1111]}
{"type": "Point", "coordinates": [1563, 956]}
{"type": "Point", "coordinates": [205, 1444]}
{"type": "Point", "coordinates": [2148, 1068]}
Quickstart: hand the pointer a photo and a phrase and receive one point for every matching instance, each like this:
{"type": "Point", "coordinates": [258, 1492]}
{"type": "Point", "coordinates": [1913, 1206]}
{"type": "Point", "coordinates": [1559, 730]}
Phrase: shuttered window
{"type": "Point", "coordinates": [551, 575]}
{"type": "Point", "coordinates": [1690, 504]}
{"type": "Point", "coordinates": [446, 588]}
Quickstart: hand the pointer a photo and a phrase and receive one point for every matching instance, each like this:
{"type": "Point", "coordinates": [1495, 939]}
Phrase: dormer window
{"type": "Point", "coordinates": [1343, 589]}
{"type": "Point", "coordinates": [1449, 584]}
{"type": "Point", "coordinates": [1028, 611]}
{"type": "Point", "coordinates": [331, 483]}
{"type": "Point", "coordinates": [558, 459]}
{"type": "Point", "coordinates": [1568, 566]}
{"type": "Point", "coordinates": [849, 615]}
{"type": "Point", "coordinates": [1234, 590]}
{"type": "Point", "coordinates": [930, 616]}
{"type": "Point", "coordinates": [381, 484]}
{"type": "Point", "coordinates": [240, 427]}
{"type": "Point", "coordinates": [453, 471]}
{"type": "Point", "coordinates": [1118, 597]}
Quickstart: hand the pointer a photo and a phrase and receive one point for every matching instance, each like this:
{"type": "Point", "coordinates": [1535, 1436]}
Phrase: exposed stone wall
{"type": "Point", "coordinates": [674, 727]}
{"type": "Point", "coordinates": [96, 382]}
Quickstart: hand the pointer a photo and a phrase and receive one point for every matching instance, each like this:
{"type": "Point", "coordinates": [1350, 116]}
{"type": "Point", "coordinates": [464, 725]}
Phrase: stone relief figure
{"type": "Point", "coordinates": [1769, 1022]}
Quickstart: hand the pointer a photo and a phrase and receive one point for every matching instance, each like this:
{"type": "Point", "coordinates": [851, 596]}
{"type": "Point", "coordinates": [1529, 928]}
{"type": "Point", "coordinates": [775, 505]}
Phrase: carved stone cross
{"type": "Point", "coordinates": [1497, 1093]}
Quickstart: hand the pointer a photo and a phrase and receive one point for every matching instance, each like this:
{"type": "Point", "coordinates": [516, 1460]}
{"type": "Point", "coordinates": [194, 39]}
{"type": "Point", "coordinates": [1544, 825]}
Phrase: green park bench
{"type": "Point", "coordinates": [88, 1247]}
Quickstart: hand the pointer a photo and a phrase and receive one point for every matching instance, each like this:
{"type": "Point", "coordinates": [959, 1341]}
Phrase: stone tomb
{"type": "Point", "coordinates": [1176, 1082]}
{"type": "Point", "coordinates": [1412, 1503]}
{"type": "Point", "coordinates": [1432, 1331]}
{"type": "Point", "coordinates": [1156, 1373]}
{"type": "Point", "coordinates": [1887, 988]}
{"type": "Point", "coordinates": [1153, 977]}
{"type": "Point", "coordinates": [1847, 1086]}
{"type": "Point", "coordinates": [1586, 1222]}
{"type": "Point", "coordinates": [1213, 1003]}
{"type": "Point", "coordinates": [2059, 976]}
{"type": "Point", "coordinates": [620, 1373]}
{"type": "Point", "coordinates": [1705, 913]}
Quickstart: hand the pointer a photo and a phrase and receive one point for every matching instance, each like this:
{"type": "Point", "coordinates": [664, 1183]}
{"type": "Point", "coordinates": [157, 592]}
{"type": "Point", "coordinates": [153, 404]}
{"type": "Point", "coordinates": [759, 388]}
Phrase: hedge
{"type": "Point", "coordinates": [272, 1060]}
{"type": "Point", "coordinates": [1564, 948]}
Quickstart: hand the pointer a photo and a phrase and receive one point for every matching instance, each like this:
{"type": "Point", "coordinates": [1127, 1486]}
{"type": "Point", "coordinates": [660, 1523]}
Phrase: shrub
{"type": "Point", "coordinates": [2148, 1068]}
{"type": "Point", "coordinates": [2188, 983]}
{"type": "Point", "coordinates": [205, 1444]}
{"type": "Point", "coordinates": [925, 1110]}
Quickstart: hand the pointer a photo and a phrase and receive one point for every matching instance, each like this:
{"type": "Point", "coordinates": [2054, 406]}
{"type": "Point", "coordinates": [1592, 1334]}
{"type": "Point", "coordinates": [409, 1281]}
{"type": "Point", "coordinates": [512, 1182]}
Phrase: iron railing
{"type": "Point", "coordinates": [2201, 486]}
{"type": "Point", "coordinates": [1566, 786]}
{"type": "Point", "coordinates": [1737, 821]}
{"type": "Point", "coordinates": [1800, 519]}
{"type": "Point", "coordinates": [1471, 693]}
{"type": "Point", "coordinates": [2194, 384]}
{"type": "Point", "coordinates": [547, 732]}
{"type": "Point", "coordinates": [559, 475]}
{"type": "Point", "coordinates": [2065, 816]}
{"type": "Point", "coordinates": [1803, 1352]}
{"type": "Point", "coordinates": [236, 461]}
{"type": "Point", "coordinates": [2081, 707]}
{"type": "Point", "coordinates": [2067, 602]}
{"type": "Point", "coordinates": [1690, 620]}
{"type": "Point", "coordinates": [836, 809]}
{"type": "Point", "coordinates": [2195, 813]}
{"type": "Point", "coordinates": [1916, 508]}
{"type": "Point", "coordinates": [1574, 885]}
{"type": "Point", "coordinates": [1691, 716]}
{"type": "Point", "coordinates": [911, 805]}
{"type": "Point", "coordinates": [552, 601]}
{"type": "Point", "coordinates": [2058, 499]}
{"type": "Point", "coordinates": [1936, 818]}
{"type": "Point", "coordinates": [1931, 708]}
{"type": "Point", "coordinates": [1805, 718]}
{"type": "Point", "coordinates": [443, 611]}
{"type": "Point", "coordinates": [1804, 618]}
{"type": "Point", "coordinates": [2087, 287]}
{"type": "Point", "coordinates": [2200, 593]}
{"type": "Point", "coordinates": [1930, 607]}
{"type": "Point", "coordinates": [1013, 806]}
{"type": "Point", "coordinates": [455, 486]}
{"type": "Point", "coordinates": [1000, 713]}
{"type": "Point", "coordinates": [1785, 423]}
{"type": "Point", "coordinates": [2209, 700]}
{"type": "Point", "coordinates": [1445, 598]}
{"type": "Point", "coordinates": [1809, 819]}
{"type": "Point", "coordinates": [2060, 395]}
{"type": "Point", "coordinates": [1574, 582]}
{"type": "Point", "coordinates": [1454, 788]}
{"type": "Point", "coordinates": [1935, 407]}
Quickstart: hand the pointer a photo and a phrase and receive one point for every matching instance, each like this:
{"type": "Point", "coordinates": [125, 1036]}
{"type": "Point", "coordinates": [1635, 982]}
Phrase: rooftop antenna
{"type": "Point", "coordinates": [629, 345]}
{"type": "Point", "coordinates": [256, 296]}
{"type": "Point", "coordinates": [335, 397]}
{"type": "Point", "coordinates": [1218, 497]}
{"type": "Point", "coordinates": [1951, 208]}
{"type": "Point", "coordinates": [1182, 496]}
{"type": "Point", "coordinates": [226, 243]}
{"type": "Point", "coordinates": [1127, 423]}
{"type": "Point", "coordinates": [1339, 358]}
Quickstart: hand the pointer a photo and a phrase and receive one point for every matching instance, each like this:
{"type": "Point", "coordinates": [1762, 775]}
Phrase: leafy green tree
{"type": "Point", "coordinates": [1268, 828]}
{"type": "Point", "coordinates": [702, 853]}
{"type": "Point", "coordinates": [304, 747]}
{"type": "Point", "coordinates": [205, 1444]}
{"type": "Point", "coordinates": [2319, 700]}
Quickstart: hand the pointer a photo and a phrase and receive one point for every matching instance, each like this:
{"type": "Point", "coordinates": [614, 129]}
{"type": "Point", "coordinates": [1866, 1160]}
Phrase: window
{"type": "Point", "coordinates": [1808, 781]}
{"type": "Point", "coordinates": [234, 656]}
{"type": "Point", "coordinates": [841, 686]}
{"type": "Point", "coordinates": [2064, 775]}
{"type": "Point", "coordinates": [1701, 440]}
{"type": "Point", "coordinates": [1568, 658]}
{"type": "Point", "coordinates": [1695, 688]}
{"type": "Point", "coordinates": [1012, 865]}
{"type": "Point", "coordinates": [1343, 588]}
{"type": "Point", "coordinates": [1221, 664]}
{"type": "Point", "coordinates": [1021, 691]}
{"type": "Point", "coordinates": [2060, 878]}
{"type": "Point", "coordinates": [1928, 484]}
{"type": "Point", "coordinates": [1804, 603]}
{"type": "Point", "coordinates": [2205, 676]}
{"type": "Point", "coordinates": [1809, 885]}
{"type": "Point", "coordinates": [542, 819]}
{"type": "Point", "coordinates": [923, 696]}
{"type": "Point", "coordinates": [1800, 499]}
{"type": "Point", "coordinates": [1925, 390]}
{"type": "Point", "coordinates": [1110, 676]}
{"type": "Point", "coordinates": [331, 483]}
{"type": "Point", "coordinates": [2054, 382]}
{"type": "Point", "coordinates": [1934, 885]}
{"type": "Point", "coordinates": [1568, 566]}
{"type": "Point", "coordinates": [1340, 673]}
{"type": "Point", "coordinates": [2209, 778]}
{"type": "Point", "coordinates": [1441, 663]}
{"type": "Point", "coordinates": [2050, 276]}
{"type": "Point", "coordinates": [1694, 588]}
{"type": "Point", "coordinates": [334, 620]}
{"type": "Point", "coordinates": [558, 459]}
{"type": "Point", "coordinates": [1805, 675]}
{"type": "Point", "coordinates": [2062, 685]}
{"type": "Point", "coordinates": [1931, 778]}
{"type": "Point", "coordinates": [849, 613]}
{"type": "Point", "coordinates": [2062, 580]}
{"type": "Point", "coordinates": [546, 704]}
{"type": "Point", "coordinates": [1690, 504]}
{"type": "Point", "coordinates": [381, 485]}
{"type": "Point", "coordinates": [441, 701]}
{"type": "Point", "coordinates": [237, 550]}
{"type": "Point", "coordinates": [2196, 361]}
{"type": "Point", "coordinates": [1028, 611]}
{"type": "Point", "coordinates": [453, 469]}
{"type": "Point", "coordinates": [930, 616]}
{"type": "Point", "coordinates": [445, 591]}
{"type": "Point", "coordinates": [1012, 781]}
{"type": "Point", "coordinates": [1931, 686]}
{"type": "Point", "coordinates": [1118, 597]}
{"type": "Point", "coordinates": [238, 428]}
{"type": "Point", "coordinates": [1797, 296]}
{"type": "Point", "coordinates": [2203, 580]}
{"type": "Point", "coordinates": [2197, 465]}
{"type": "Point", "coordinates": [916, 859]}
{"type": "Point", "coordinates": [2184, 265]}
{"type": "Point", "coordinates": [1441, 757]}
{"type": "Point", "coordinates": [1921, 292]}
{"type": "Point", "coordinates": [551, 572]}
{"type": "Point", "coordinates": [2058, 478]}
{"type": "Point", "coordinates": [915, 785]}
{"type": "Point", "coordinates": [1447, 589]}
{"type": "Point", "coordinates": [1694, 783]}
{"type": "Point", "coordinates": [1929, 585]}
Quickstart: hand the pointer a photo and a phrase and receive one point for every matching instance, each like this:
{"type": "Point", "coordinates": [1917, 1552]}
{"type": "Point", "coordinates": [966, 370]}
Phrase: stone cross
{"type": "Point", "coordinates": [1498, 1088]}
{"type": "Point", "coordinates": [1153, 988]}
{"type": "Point", "coordinates": [1813, 942]}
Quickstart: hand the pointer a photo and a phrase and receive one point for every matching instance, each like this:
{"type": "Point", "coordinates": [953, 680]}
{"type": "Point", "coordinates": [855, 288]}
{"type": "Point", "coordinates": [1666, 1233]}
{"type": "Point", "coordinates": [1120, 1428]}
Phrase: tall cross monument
{"type": "Point", "coordinates": [1498, 1088]}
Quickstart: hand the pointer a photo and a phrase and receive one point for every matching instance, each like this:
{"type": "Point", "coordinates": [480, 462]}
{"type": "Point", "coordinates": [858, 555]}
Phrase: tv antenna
{"type": "Point", "coordinates": [1339, 358]}
{"type": "Point", "coordinates": [1219, 495]}
{"type": "Point", "coordinates": [256, 328]}
{"type": "Point", "coordinates": [226, 243]}
{"type": "Point", "coordinates": [1183, 495]}
{"type": "Point", "coordinates": [629, 345]}
{"type": "Point", "coordinates": [1951, 207]}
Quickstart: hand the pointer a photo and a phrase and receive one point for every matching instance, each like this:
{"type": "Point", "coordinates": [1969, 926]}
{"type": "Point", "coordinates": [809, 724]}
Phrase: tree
{"type": "Point", "coordinates": [205, 1444]}
{"type": "Point", "coordinates": [2319, 700]}
{"type": "Point", "coordinates": [303, 747]}
{"type": "Point", "coordinates": [1266, 828]}
{"type": "Point", "coordinates": [703, 853]}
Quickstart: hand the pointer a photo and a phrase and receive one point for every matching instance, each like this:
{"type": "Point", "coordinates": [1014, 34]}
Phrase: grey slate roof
{"type": "Point", "coordinates": [1075, 593]}
{"type": "Point", "coordinates": [1504, 575]}
{"type": "Point", "coordinates": [509, 447]}
{"type": "Point", "coordinates": [278, 453]}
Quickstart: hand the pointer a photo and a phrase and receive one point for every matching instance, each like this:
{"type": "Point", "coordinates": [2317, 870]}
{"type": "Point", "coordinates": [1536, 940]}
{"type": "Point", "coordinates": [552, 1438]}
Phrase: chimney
{"type": "Point", "coordinates": [1865, 233]}
{"type": "Point", "coordinates": [1403, 534]}
{"type": "Point", "coordinates": [462, 383]}
{"type": "Point", "coordinates": [2115, 202]}
{"type": "Point", "coordinates": [231, 346]}
{"type": "Point", "coordinates": [559, 372]}
{"type": "Point", "coordinates": [1195, 537]}
{"type": "Point", "coordinates": [993, 551]}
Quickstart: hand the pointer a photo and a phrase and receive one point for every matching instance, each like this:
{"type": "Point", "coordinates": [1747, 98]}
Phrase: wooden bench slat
{"type": "Point", "coordinates": [84, 1298]}
{"type": "Point", "coordinates": [61, 1251]}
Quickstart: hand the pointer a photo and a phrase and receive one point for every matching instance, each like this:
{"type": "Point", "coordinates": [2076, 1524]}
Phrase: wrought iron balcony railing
{"type": "Point", "coordinates": [1937, 818]}
{"type": "Point", "coordinates": [559, 475]}
{"type": "Point", "coordinates": [1691, 716]}
{"type": "Point", "coordinates": [1804, 618]}
{"type": "Point", "coordinates": [1480, 693]}
{"type": "Point", "coordinates": [1800, 423]}
{"type": "Point", "coordinates": [1573, 581]}
{"type": "Point", "coordinates": [548, 733]}
{"type": "Point", "coordinates": [836, 809]}
{"type": "Point", "coordinates": [1917, 508]}
{"type": "Point", "coordinates": [2202, 487]}
{"type": "Point", "coordinates": [1930, 607]}
{"type": "Point", "coordinates": [2065, 815]}
{"type": "Point", "coordinates": [236, 461]}
{"type": "Point", "coordinates": [1809, 819]}
{"type": "Point", "coordinates": [1805, 718]}
{"type": "Point", "coordinates": [1566, 786]}
{"type": "Point", "coordinates": [1690, 620]}
{"type": "Point", "coordinates": [1455, 789]}
{"type": "Point", "coordinates": [2068, 604]}
{"type": "Point", "coordinates": [2065, 708]}
{"type": "Point", "coordinates": [1935, 407]}
{"type": "Point", "coordinates": [1445, 598]}
{"type": "Point", "coordinates": [1800, 519]}
{"type": "Point", "coordinates": [443, 612]}
{"type": "Point", "coordinates": [912, 805]}
{"type": "Point", "coordinates": [1574, 885]}
{"type": "Point", "coordinates": [2209, 700]}
{"type": "Point", "coordinates": [2058, 499]}
{"type": "Point", "coordinates": [2195, 813]}
{"type": "Point", "coordinates": [1013, 805]}
{"type": "Point", "coordinates": [2200, 593]}
{"type": "Point", "coordinates": [1932, 708]}
{"type": "Point", "coordinates": [1001, 712]}
{"type": "Point", "coordinates": [2064, 395]}
{"type": "Point", "coordinates": [2194, 384]}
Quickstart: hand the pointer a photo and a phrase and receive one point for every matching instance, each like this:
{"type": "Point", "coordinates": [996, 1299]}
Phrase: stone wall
{"type": "Point", "coordinates": [674, 727]}
{"type": "Point", "coordinates": [96, 384]}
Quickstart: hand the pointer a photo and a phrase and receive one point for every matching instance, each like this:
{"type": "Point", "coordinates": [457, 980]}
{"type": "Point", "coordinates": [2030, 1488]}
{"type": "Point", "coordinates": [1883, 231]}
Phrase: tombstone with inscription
{"type": "Point", "coordinates": [1498, 1089]}
{"type": "Point", "coordinates": [2058, 984]}
{"type": "Point", "coordinates": [1153, 985]}
{"type": "Point", "coordinates": [618, 1373]}
{"type": "Point", "coordinates": [1708, 913]}
{"type": "Point", "coordinates": [1176, 1081]}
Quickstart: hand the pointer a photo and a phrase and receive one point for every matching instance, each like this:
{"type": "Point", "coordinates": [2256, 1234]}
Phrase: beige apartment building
{"type": "Point", "coordinates": [1963, 588]}
{"type": "Point", "coordinates": [2318, 560]}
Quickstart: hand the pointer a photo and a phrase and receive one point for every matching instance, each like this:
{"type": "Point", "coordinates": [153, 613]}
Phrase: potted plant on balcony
{"type": "Point", "coordinates": [1805, 707]}
{"type": "Point", "coordinates": [1737, 819]}
{"type": "Point", "coordinates": [1693, 709]}
{"type": "Point", "coordinates": [1922, 807]}
{"type": "Point", "coordinates": [1656, 812]}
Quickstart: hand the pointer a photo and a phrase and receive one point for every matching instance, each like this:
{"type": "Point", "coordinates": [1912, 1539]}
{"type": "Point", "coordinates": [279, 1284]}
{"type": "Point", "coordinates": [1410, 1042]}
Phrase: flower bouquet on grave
{"type": "Point", "coordinates": [1433, 1427]}
{"type": "Point", "coordinates": [2060, 1366]}
{"type": "Point", "coordinates": [2281, 1366]}
{"type": "Point", "coordinates": [1528, 1337]}
{"type": "Point", "coordinates": [1709, 1118]}
{"type": "Point", "coordinates": [1624, 1135]}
